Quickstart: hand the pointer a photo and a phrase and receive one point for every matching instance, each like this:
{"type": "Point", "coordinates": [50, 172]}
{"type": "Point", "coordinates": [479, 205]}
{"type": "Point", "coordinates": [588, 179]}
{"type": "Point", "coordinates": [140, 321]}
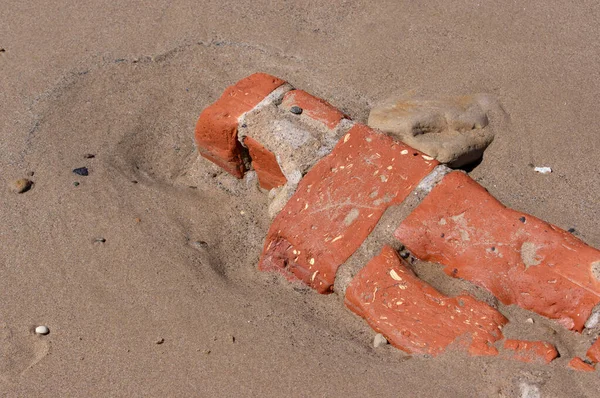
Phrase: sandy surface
{"type": "Point", "coordinates": [126, 81]}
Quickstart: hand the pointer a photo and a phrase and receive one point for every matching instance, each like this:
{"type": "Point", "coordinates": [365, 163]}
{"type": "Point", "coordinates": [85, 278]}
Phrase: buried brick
{"type": "Point", "coordinates": [415, 317]}
{"type": "Point", "coordinates": [217, 126]}
{"type": "Point", "coordinates": [520, 259]}
{"type": "Point", "coordinates": [579, 364]}
{"type": "Point", "coordinates": [338, 203]}
{"type": "Point", "coordinates": [529, 351]}
{"type": "Point", "coordinates": [594, 352]}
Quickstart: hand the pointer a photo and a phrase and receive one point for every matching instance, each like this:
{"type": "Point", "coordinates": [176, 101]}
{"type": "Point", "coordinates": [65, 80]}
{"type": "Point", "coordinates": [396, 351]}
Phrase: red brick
{"type": "Point", "coordinates": [265, 164]}
{"type": "Point", "coordinates": [415, 317]}
{"type": "Point", "coordinates": [578, 364]}
{"type": "Point", "coordinates": [520, 259]}
{"type": "Point", "coordinates": [529, 351]}
{"type": "Point", "coordinates": [313, 107]}
{"type": "Point", "coordinates": [594, 351]}
{"type": "Point", "coordinates": [216, 130]}
{"type": "Point", "coordinates": [338, 203]}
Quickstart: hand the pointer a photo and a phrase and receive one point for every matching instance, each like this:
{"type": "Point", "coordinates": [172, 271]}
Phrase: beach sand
{"type": "Point", "coordinates": [171, 303]}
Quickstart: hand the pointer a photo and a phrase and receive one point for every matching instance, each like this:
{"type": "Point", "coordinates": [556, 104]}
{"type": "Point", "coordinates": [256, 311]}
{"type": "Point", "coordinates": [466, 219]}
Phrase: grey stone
{"type": "Point", "coordinates": [454, 131]}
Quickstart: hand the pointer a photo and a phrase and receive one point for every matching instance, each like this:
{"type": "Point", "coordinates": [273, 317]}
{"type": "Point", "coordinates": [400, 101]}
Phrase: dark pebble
{"type": "Point", "coordinates": [76, 183]}
{"type": "Point", "coordinates": [571, 230]}
{"type": "Point", "coordinates": [296, 110]}
{"type": "Point", "coordinates": [522, 219]}
{"type": "Point", "coordinates": [89, 156]}
{"type": "Point", "coordinates": [405, 255]}
{"type": "Point", "coordinates": [81, 171]}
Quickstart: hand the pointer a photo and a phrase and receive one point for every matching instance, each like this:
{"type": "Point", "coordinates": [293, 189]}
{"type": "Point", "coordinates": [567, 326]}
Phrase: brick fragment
{"type": "Point", "coordinates": [265, 164]}
{"type": "Point", "coordinates": [415, 317]}
{"type": "Point", "coordinates": [338, 203]}
{"type": "Point", "coordinates": [313, 107]}
{"type": "Point", "coordinates": [216, 129]}
{"type": "Point", "coordinates": [594, 352]}
{"type": "Point", "coordinates": [519, 258]}
{"type": "Point", "coordinates": [578, 364]}
{"type": "Point", "coordinates": [529, 351]}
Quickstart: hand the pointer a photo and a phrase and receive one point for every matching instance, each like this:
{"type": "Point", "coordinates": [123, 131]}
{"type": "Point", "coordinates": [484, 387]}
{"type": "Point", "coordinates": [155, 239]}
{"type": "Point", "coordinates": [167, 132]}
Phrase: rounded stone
{"type": "Point", "coordinates": [22, 185]}
{"type": "Point", "coordinates": [296, 110]}
{"type": "Point", "coordinates": [43, 330]}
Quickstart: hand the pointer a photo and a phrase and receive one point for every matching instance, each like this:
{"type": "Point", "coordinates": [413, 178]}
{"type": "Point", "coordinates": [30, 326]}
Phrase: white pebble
{"type": "Point", "coordinates": [42, 330]}
{"type": "Point", "coordinates": [379, 340]}
{"type": "Point", "coordinates": [543, 170]}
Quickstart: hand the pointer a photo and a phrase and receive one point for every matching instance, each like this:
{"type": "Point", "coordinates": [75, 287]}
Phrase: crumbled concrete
{"type": "Point", "coordinates": [298, 143]}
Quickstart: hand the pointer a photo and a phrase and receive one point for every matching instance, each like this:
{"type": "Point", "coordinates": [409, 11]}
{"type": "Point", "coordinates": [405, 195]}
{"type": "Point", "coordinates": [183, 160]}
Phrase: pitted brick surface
{"type": "Point", "coordinates": [338, 203]}
{"type": "Point", "coordinates": [520, 259]}
{"type": "Point", "coordinates": [414, 316]}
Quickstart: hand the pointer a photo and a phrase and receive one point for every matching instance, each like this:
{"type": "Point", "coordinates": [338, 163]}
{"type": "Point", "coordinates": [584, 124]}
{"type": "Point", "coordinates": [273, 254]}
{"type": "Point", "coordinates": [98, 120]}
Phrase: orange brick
{"type": "Point", "coordinates": [520, 259]}
{"type": "Point", "coordinates": [338, 203]}
{"type": "Point", "coordinates": [530, 351]}
{"type": "Point", "coordinates": [216, 129]}
{"type": "Point", "coordinates": [594, 351]}
{"type": "Point", "coordinates": [415, 317]}
{"type": "Point", "coordinates": [313, 107]}
{"type": "Point", "coordinates": [265, 164]}
{"type": "Point", "coordinates": [578, 364]}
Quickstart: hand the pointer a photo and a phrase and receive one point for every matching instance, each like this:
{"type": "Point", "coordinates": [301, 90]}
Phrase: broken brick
{"type": "Point", "coordinates": [313, 107]}
{"type": "Point", "coordinates": [520, 259]}
{"type": "Point", "coordinates": [338, 203]}
{"type": "Point", "coordinates": [415, 317]}
{"type": "Point", "coordinates": [594, 352]}
{"type": "Point", "coordinates": [529, 351]}
{"type": "Point", "coordinates": [578, 364]}
{"type": "Point", "coordinates": [216, 129]}
{"type": "Point", "coordinates": [265, 164]}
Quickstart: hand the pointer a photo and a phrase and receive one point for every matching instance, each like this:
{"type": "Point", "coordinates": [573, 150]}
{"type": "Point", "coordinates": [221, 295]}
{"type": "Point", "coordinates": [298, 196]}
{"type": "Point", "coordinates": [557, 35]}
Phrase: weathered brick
{"type": "Point", "coordinates": [415, 317]}
{"type": "Point", "coordinates": [265, 164]}
{"type": "Point", "coordinates": [520, 259]}
{"type": "Point", "coordinates": [338, 203]}
{"type": "Point", "coordinates": [594, 352]}
{"type": "Point", "coordinates": [578, 364]}
{"type": "Point", "coordinates": [529, 351]}
{"type": "Point", "coordinates": [216, 129]}
{"type": "Point", "coordinates": [313, 107]}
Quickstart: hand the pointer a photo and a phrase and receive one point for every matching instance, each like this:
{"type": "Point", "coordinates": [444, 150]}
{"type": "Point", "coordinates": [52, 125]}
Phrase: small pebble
{"type": "Point", "coordinates": [30, 174]}
{"type": "Point", "coordinates": [160, 341]}
{"type": "Point", "coordinates": [89, 156]}
{"type": "Point", "coordinates": [522, 219]}
{"type": "Point", "coordinates": [571, 230]}
{"type": "Point", "coordinates": [76, 183]}
{"type": "Point", "coordinates": [404, 255]}
{"type": "Point", "coordinates": [22, 185]}
{"type": "Point", "coordinates": [100, 240]}
{"type": "Point", "coordinates": [43, 330]}
{"type": "Point", "coordinates": [379, 340]}
{"type": "Point", "coordinates": [81, 171]}
{"type": "Point", "coordinates": [296, 110]}
{"type": "Point", "coordinates": [529, 320]}
{"type": "Point", "coordinates": [543, 170]}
